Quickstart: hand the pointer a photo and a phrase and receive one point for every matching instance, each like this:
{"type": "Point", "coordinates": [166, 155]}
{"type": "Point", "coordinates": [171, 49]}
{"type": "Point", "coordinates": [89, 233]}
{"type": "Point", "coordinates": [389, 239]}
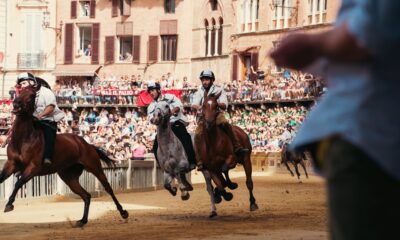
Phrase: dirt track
{"type": "Point", "coordinates": [288, 210]}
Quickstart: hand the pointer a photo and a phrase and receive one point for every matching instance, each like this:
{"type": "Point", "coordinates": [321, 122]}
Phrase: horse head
{"type": "Point", "coordinates": [24, 104]}
{"type": "Point", "coordinates": [210, 110]}
{"type": "Point", "coordinates": [162, 114]}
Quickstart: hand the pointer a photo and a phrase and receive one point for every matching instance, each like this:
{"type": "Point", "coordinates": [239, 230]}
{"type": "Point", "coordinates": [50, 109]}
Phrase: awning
{"type": "Point", "coordinates": [244, 49]}
{"type": "Point", "coordinates": [76, 70]}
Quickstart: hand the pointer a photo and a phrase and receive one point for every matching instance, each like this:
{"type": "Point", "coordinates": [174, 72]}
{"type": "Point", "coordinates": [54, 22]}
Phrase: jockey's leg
{"type": "Point", "coordinates": [224, 125]}
{"type": "Point", "coordinates": [155, 147]}
{"type": "Point", "coordinates": [50, 133]}
{"type": "Point", "coordinates": [197, 145]}
{"type": "Point", "coordinates": [182, 134]}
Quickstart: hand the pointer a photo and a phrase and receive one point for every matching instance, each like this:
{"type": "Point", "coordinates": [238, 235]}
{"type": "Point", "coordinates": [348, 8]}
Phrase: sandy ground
{"type": "Point", "coordinates": [288, 210]}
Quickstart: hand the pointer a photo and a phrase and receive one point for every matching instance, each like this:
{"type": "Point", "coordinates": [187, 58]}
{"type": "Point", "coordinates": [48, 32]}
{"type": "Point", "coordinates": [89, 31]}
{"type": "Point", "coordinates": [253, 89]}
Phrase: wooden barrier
{"type": "Point", "coordinates": [263, 161]}
{"type": "Point", "coordinates": [132, 176]}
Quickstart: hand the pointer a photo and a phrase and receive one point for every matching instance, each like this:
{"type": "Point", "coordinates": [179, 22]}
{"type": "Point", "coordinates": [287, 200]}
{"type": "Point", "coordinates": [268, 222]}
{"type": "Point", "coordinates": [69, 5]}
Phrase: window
{"type": "Point", "coordinates": [84, 8]}
{"type": "Point", "coordinates": [84, 41]}
{"type": "Point", "coordinates": [169, 6]}
{"type": "Point", "coordinates": [318, 4]}
{"type": "Point", "coordinates": [257, 8]}
{"type": "Point", "coordinates": [169, 47]}
{"type": "Point", "coordinates": [206, 36]}
{"type": "Point", "coordinates": [325, 5]}
{"type": "Point", "coordinates": [214, 5]}
{"type": "Point", "coordinates": [125, 49]}
{"type": "Point", "coordinates": [33, 33]}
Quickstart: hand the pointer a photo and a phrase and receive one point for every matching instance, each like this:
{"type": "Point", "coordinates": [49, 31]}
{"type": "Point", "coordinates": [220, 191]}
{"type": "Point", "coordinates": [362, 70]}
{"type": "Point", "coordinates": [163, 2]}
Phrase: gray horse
{"type": "Point", "coordinates": [170, 153]}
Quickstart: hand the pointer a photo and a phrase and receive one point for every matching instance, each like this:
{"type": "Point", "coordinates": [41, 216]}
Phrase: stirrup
{"type": "Point", "coordinates": [200, 166]}
{"type": "Point", "coordinates": [46, 162]}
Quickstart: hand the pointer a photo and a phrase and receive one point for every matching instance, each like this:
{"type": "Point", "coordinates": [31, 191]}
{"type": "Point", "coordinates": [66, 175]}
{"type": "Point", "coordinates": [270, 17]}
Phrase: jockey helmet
{"type": "Point", "coordinates": [25, 76]}
{"type": "Point", "coordinates": [153, 85]}
{"type": "Point", "coordinates": [207, 74]}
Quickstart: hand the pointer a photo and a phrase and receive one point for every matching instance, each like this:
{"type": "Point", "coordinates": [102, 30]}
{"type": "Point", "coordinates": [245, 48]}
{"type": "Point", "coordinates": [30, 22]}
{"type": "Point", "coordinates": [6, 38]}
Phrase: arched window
{"type": "Point", "coordinates": [220, 35]}
{"type": "Point", "coordinates": [213, 23]}
{"type": "Point", "coordinates": [214, 5]}
{"type": "Point", "coordinates": [206, 35]}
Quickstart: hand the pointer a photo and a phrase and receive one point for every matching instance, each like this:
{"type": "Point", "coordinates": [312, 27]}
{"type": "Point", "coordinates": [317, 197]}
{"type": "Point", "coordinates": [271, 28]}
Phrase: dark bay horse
{"type": "Point", "coordinates": [294, 158]}
{"type": "Point", "coordinates": [217, 150]}
{"type": "Point", "coordinates": [71, 156]}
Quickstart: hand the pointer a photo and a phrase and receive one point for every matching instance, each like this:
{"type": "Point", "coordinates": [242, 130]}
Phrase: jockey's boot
{"type": "Point", "coordinates": [237, 148]}
{"type": "Point", "coordinates": [47, 162]}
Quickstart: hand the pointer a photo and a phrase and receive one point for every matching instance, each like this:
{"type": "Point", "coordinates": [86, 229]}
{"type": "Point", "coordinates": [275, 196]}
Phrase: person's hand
{"type": "Point", "coordinates": [296, 51]}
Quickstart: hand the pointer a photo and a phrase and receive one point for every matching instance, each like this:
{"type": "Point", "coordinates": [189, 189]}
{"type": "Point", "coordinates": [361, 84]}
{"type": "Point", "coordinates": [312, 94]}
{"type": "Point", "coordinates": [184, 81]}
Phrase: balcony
{"type": "Point", "coordinates": [31, 60]}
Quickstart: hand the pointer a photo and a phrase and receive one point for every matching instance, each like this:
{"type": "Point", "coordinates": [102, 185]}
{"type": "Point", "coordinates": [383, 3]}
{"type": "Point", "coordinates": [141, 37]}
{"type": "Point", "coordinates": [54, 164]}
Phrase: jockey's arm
{"type": "Point", "coordinates": [223, 101]}
{"type": "Point", "coordinates": [176, 105]}
{"type": "Point", "coordinates": [48, 110]}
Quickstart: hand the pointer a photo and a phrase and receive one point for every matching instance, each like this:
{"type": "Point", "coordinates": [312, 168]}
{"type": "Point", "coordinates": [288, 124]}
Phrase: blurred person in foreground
{"type": "Point", "coordinates": [351, 133]}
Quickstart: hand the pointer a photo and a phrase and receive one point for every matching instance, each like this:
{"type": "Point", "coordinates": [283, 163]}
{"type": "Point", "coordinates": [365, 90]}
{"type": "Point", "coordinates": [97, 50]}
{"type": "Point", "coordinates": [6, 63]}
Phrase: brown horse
{"type": "Point", "coordinates": [71, 156]}
{"type": "Point", "coordinates": [295, 158]}
{"type": "Point", "coordinates": [217, 151]}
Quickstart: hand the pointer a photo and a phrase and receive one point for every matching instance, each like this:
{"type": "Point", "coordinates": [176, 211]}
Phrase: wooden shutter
{"type": "Point", "coordinates": [69, 43]}
{"type": "Point", "coordinates": [95, 43]}
{"type": "Point", "coordinates": [126, 7]}
{"type": "Point", "coordinates": [109, 50]}
{"type": "Point", "coordinates": [254, 63]}
{"type": "Point", "coordinates": [92, 8]}
{"type": "Point", "coordinates": [115, 7]}
{"type": "Point", "coordinates": [136, 49]}
{"type": "Point", "coordinates": [153, 48]}
{"type": "Point", "coordinates": [235, 59]}
{"type": "Point", "coordinates": [220, 36]}
{"type": "Point", "coordinates": [73, 9]}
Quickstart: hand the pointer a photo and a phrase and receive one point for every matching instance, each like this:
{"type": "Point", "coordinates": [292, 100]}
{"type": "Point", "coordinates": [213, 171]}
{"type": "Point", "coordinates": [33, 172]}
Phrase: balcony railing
{"type": "Point", "coordinates": [31, 60]}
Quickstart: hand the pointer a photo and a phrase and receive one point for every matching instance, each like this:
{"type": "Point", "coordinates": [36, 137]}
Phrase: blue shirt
{"type": "Point", "coordinates": [361, 104]}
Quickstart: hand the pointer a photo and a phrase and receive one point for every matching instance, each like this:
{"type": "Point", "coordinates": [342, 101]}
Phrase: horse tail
{"type": "Point", "coordinates": [103, 156]}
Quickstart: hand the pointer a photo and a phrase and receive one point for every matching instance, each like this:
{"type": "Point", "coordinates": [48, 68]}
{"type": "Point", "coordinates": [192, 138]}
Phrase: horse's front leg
{"type": "Point", "coordinates": [231, 185]}
{"type": "Point", "coordinates": [210, 190]}
{"type": "Point", "coordinates": [297, 170]}
{"type": "Point", "coordinates": [27, 175]}
{"type": "Point", "coordinates": [167, 184]}
{"type": "Point", "coordinates": [8, 169]}
{"type": "Point", "coordinates": [220, 189]}
{"type": "Point", "coordinates": [184, 192]}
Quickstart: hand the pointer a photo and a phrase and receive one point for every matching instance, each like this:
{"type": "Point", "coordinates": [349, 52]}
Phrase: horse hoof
{"type": "Point", "coordinates": [217, 199]}
{"type": "Point", "coordinates": [80, 223]}
{"type": "Point", "coordinates": [9, 208]}
{"type": "Point", "coordinates": [227, 196]}
{"type": "Point", "coordinates": [185, 197]}
{"type": "Point", "coordinates": [213, 214]}
{"type": "Point", "coordinates": [253, 207]}
{"type": "Point", "coordinates": [232, 186]}
{"type": "Point", "coordinates": [124, 214]}
{"type": "Point", "coordinates": [187, 188]}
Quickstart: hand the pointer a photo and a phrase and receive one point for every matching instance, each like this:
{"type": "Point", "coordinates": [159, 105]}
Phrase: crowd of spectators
{"type": "Point", "coordinates": [286, 86]}
{"type": "Point", "coordinates": [121, 132]}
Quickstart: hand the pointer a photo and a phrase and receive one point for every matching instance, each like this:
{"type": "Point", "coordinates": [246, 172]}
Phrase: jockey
{"type": "Point", "coordinates": [46, 111]}
{"type": "Point", "coordinates": [178, 120]}
{"type": "Point", "coordinates": [207, 80]}
{"type": "Point", "coordinates": [288, 134]}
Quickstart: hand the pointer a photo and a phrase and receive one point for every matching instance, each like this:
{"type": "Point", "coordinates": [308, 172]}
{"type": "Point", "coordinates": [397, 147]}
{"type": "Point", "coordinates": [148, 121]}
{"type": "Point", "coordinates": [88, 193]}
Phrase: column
{"type": "Point", "coordinates": [314, 10]}
{"type": "Point", "coordinates": [321, 10]}
{"type": "Point", "coordinates": [285, 15]}
{"type": "Point", "coordinates": [209, 29]}
{"type": "Point", "coordinates": [217, 27]}
{"type": "Point", "coordinates": [253, 19]}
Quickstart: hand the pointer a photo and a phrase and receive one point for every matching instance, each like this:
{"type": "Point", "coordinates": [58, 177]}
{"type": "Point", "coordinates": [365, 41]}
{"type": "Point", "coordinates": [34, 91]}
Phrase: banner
{"type": "Point", "coordinates": [113, 92]}
{"type": "Point", "coordinates": [144, 98]}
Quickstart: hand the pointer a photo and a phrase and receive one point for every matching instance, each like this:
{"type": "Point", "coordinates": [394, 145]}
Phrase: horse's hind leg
{"type": "Point", "coordinates": [167, 184]}
{"type": "Point", "coordinates": [220, 188]}
{"type": "Point", "coordinates": [304, 167]}
{"type": "Point", "coordinates": [231, 185]}
{"type": "Point", "coordinates": [103, 179]}
{"type": "Point", "coordinates": [210, 191]}
{"type": "Point", "coordinates": [27, 175]}
{"type": "Point", "coordinates": [249, 182]}
{"type": "Point", "coordinates": [71, 177]}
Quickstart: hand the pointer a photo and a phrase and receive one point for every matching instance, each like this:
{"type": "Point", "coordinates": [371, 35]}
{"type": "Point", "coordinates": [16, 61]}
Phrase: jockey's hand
{"type": "Point", "coordinates": [175, 111]}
